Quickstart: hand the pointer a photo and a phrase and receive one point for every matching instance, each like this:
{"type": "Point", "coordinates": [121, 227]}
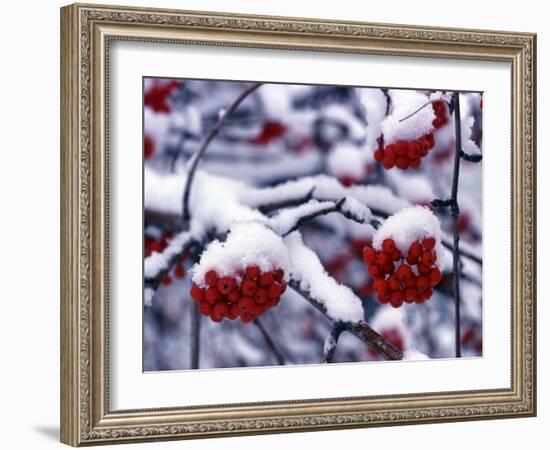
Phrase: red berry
{"type": "Point", "coordinates": [396, 255]}
{"type": "Point", "coordinates": [179, 271]}
{"type": "Point", "coordinates": [413, 151]}
{"type": "Point", "coordinates": [430, 140]}
{"type": "Point", "coordinates": [246, 304]}
{"type": "Point", "coordinates": [252, 272]}
{"type": "Point", "coordinates": [369, 255]}
{"type": "Point", "coordinates": [234, 311]}
{"type": "Point", "coordinates": [402, 162]}
{"type": "Point", "coordinates": [397, 298]}
{"type": "Point", "coordinates": [261, 295]}
{"type": "Point", "coordinates": [265, 279]}
{"type": "Point", "coordinates": [283, 286]}
{"type": "Point", "coordinates": [374, 270]}
{"type": "Point", "coordinates": [221, 311]}
{"type": "Point", "coordinates": [234, 295]}
{"type": "Point", "coordinates": [414, 163]}
{"type": "Point", "coordinates": [388, 267]}
{"type": "Point", "coordinates": [384, 297]}
{"type": "Point", "coordinates": [247, 317]}
{"type": "Point", "coordinates": [428, 243]}
{"type": "Point", "coordinates": [428, 257]}
{"type": "Point", "coordinates": [382, 258]}
{"type": "Point", "coordinates": [412, 259]}
{"type": "Point", "coordinates": [225, 285]}
{"type": "Point", "coordinates": [388, 162]}
{"type": "Point", "coordinates": [393, 283]}
{"type": "Point", "coordinates": [212, 295]}
{"type": "Point", "coordinates": [249, 287]}
{"type": "Point", "coordinates": [167, 280]}
{"type": "Point", "coordinates": [401, 148]}
{"type": "Point", "coordinates": [390, 151]}
{"type": "Point", "coordinates": [211, 278]}
{"type": "Point", "coordinates": [419, 299]}
{"type": "Point", "coordinates": [403, 272]}
{"type": "Point", "coordinates": [410, 294]}
{"type": "Point", "coordinates": [438, 122]}
{"type": "Point", "coordinates": [435, 276]}
{"type": "Point", "coordinates": [205, 308]}
{"type": "Point", "coordinates": [410, 282]}
{"type": "Point", "coordinates": [427, 293]}
{"type": "Point", "coordinates": [388, 245]}
{"type": "Point", "coordinates": [379, 155]}
{"type": "Point", "coordinates": [274, 290]}
{"type": "Point", "coordinates": [380, 285]}
{"type": "Point", "coordinates": [259, 308]}
{"type": "Point", "coordinates": [422, 282]}
{"type": "Point", "coordinates": [415, 249]}
{"type": "Point", "coordinates": [278, 274]}
{"type": "Point", "coordinates": [423, 268]}
{"type": "Point", "coordinates": [197, 293]}
{"type": "Point", "coordinates": [439, 107]}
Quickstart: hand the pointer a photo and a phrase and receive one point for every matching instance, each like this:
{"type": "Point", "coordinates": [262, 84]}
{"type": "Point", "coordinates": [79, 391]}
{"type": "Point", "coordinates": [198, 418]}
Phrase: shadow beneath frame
{"type": "Point", "coordinates": [50, 432]}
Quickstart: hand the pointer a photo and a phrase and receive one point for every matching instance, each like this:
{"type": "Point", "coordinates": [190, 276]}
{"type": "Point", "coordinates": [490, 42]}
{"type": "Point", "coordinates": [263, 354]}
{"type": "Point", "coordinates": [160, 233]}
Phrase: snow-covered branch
{"type": "Point", "coordinates": [331, 341]}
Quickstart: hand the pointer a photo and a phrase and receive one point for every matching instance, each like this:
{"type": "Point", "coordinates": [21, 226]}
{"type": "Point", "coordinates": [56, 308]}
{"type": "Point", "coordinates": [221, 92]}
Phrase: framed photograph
{"type": "Point", "coordinates": [277, 225]}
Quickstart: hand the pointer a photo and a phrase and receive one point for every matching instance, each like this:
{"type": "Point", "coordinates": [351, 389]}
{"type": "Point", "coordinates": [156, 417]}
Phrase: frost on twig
{"type": "Point", "coordinates": [331, 341]}
{"type": "Point", "coordinates": [336, 301]}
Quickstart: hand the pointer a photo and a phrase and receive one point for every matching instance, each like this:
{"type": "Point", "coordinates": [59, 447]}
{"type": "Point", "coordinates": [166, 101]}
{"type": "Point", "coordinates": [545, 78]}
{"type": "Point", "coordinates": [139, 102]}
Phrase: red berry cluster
{"type": "Point", "coordinates": [270, 131]}
{"type": "Point", "coordinates": [404, 154]}
{"type": "Point", "coordinates": [402, 278]}
{"type": "Point", "coordinates": [158, 245]}
{"type": "Point", "coordinates": [225, 297]}
{"type": "Point", "coordinates": [441, 111]}
{"type": "Point", "coordinates": [157, 95]}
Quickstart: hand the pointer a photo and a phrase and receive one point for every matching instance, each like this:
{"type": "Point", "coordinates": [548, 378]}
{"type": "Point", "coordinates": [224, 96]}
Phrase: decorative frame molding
{"type": "Point", "coordinates": [86, 31]}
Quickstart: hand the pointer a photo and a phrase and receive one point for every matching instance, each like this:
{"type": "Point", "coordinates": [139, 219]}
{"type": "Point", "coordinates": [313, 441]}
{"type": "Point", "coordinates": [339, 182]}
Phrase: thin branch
{"type": "Point", "coordinates": [420, 109]}
{"type": "Point", "coordinates": [287, 203]}
{"type": "Point", "coordinates": [360, 329]}
{"type": "Point", "coordinates": [455, 212]}
{"type": "Point", "coordinates": [270, 343]}
{"type": "Point", "coordinates": [336, 207]}
{"type": "Point", "coordinates": [195, 335]}
{"type": "Point", "coordinates": [330, 343]}
{"type": "Point", "coordinates": [469, 157]}
{"type": "Point", "coordinates": [200, 152]}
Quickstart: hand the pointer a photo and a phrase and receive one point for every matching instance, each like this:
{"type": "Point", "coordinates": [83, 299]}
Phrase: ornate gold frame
{"type": "Point", "coordinates": [86, 31]}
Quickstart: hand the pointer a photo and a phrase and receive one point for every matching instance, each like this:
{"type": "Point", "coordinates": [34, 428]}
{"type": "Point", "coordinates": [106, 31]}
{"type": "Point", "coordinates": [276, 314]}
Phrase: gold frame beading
{"type": "Point", "coordinates": [86, 31]}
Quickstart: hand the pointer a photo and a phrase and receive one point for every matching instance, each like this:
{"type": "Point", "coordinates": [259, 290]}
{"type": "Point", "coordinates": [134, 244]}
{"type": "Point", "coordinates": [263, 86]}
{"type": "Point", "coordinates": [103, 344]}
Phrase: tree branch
{"type": "Point", "coordinates": [270, 343]}
{"type": "Point", "coordinates": [200, 152]}
{"type": "Point", "coordinates": [195, 335]}
{"type": "Point", "coordinates": [360, 329]}
{"type": "Point", "coordinates": [455, 212]}
{"type": "Point", "coordinates": [330, 343]}
{"type": "Point", "coordinates": [336, 207]}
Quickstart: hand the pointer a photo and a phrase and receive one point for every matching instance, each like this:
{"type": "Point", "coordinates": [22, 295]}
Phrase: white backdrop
{"type": "Point", "coordinates": [30, 226]}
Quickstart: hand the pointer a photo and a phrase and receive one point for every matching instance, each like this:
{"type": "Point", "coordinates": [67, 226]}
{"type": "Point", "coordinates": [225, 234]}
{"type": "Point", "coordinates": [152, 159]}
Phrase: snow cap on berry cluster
{"type": "Point", "coordinates": [410, 225]}
{"type": "Point", "coordinates": [404, 103]}
{"type": "Point", "coordinates": [347, 160]}
{"type": "Point", "coordinates": [247, 244]}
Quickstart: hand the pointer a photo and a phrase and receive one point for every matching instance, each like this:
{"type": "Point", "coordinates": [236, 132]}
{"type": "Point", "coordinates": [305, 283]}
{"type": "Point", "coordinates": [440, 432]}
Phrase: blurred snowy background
{"type": "Point", "coordinates": [284, 132]}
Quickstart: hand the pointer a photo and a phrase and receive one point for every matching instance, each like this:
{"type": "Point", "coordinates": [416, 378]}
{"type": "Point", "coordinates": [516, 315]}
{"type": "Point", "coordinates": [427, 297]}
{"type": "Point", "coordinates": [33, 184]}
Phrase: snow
{"type": "Point", "coordinates": [148, 295]}
{"type": "Point", "coordinates": [404, 103]}
{"type": "Point", "coordinates": [375, 103]}
{"type": "Point", "coordinates": [345, 116]}
{"type": "Point", "coordinates": [248, 243]}
{"type": "Point", "coordinates": [410, 225]}
{"type": "Point", "coordinates": [414, 355]}
{"type": "Point", "coordinates": [414, 188]}
{"type": "Point", "coordinates": [157, 262]}
{"type": "Point", "coordinates": [340, 302]}
{"type": "Point", "coordinates": [287, 218]}
{"type": "Point", "coordinates": [346, 159]}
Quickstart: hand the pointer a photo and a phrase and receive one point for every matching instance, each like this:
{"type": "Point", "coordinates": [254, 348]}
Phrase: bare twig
{"type": "Point", "coordinates": [420, 109]}
{"type": "Point", "coordinates": [330, 343]}
{"type": "Point", "coordinates": [195, 335]}
{"type": "Point", "coordinates": [270, 342]}
{"type": "Point", "coordinates": [200, 152]}
{"type": "Point", "coordinates": [360, 329]}
{"type": "Point", "coordinates": [287, 203]}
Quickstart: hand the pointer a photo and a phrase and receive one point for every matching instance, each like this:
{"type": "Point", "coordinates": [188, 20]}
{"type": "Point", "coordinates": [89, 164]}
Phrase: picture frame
{"type": "Point", "coordinates": [87, 32]}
